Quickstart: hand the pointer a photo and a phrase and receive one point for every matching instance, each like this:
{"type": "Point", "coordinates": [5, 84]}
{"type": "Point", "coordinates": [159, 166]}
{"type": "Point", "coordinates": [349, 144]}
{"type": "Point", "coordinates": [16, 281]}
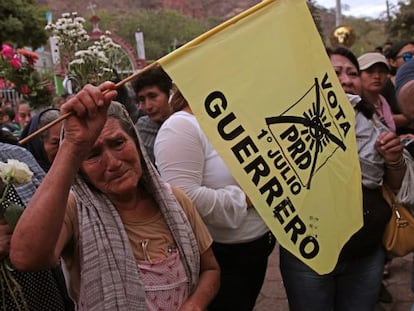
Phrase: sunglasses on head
{"type": "Point", "coordinates": [407, 56]}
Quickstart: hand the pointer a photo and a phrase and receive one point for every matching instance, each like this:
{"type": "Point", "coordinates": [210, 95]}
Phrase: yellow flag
{"type": "Point", "coordinates": [265, 94]}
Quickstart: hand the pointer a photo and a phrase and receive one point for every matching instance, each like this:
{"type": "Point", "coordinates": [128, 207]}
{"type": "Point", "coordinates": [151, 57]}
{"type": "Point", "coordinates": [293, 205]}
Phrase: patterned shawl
{"type": "Point", "coordinates": [110, 279]}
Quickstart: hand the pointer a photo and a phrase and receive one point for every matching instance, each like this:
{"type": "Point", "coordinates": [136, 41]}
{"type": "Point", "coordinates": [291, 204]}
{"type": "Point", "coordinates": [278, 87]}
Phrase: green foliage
{"type": "Point", "coordinates": [161, 28]}
{"type": "Point", "coordinates": [401, 25]}
{"type": "Point", "coordinates": [22, 23]}
{"type": "Point", "coordinates": [164, 28]}
{"type": "Point", "coordinates": [369, 34]}
{"type": "Point", "coordinates": [213, 21]}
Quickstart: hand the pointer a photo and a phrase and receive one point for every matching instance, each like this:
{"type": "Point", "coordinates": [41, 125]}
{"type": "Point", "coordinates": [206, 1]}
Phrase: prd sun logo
{"type": "Point", "coordinates": [309, 132]}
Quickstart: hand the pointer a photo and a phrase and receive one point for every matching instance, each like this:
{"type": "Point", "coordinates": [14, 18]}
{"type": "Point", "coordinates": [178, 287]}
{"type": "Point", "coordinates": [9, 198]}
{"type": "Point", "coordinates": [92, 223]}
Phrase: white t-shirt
{"type": "Point", "coordinates": [185, 159]}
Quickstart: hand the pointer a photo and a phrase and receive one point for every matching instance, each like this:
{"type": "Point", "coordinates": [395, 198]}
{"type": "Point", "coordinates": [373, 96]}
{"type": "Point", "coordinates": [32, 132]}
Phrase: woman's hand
{"type": "Point", "coordinates": [389, 145]}
{"type": "Point", "coordinates": [208, 284]}
{"type": "Point", "coordinates": [88, 108]}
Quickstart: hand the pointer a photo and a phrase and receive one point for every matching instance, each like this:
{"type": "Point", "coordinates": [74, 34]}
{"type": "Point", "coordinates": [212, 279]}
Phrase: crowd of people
{"type": "Point", "coordinates": [116, 220]}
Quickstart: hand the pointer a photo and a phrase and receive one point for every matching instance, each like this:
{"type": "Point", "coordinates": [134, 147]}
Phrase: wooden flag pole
{"type": "Point", "coordinates": [64, 116]}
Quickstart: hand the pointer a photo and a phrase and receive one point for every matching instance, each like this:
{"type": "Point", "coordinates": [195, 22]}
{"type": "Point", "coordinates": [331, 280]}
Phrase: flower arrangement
{"type": "Point", "coordinates": [12, 173]}
{"type": "Point", "coordinates": [95, 64]}
{"type": "Point", "coordinates": [86, 62]}
{"type": "Point", "coordinates": [17, 67]}
{"type": "Point", "coordinates": [70, 34]}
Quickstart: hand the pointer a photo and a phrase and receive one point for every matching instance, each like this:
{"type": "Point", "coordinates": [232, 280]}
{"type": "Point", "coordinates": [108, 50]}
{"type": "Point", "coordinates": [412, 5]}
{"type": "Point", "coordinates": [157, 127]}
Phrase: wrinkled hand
{"type": "Point", "coordinates": [88, 108]}
{"type": "Point", "coordinates": [5, 236]}
{"type": "Point", "coordinates": [389, 145]}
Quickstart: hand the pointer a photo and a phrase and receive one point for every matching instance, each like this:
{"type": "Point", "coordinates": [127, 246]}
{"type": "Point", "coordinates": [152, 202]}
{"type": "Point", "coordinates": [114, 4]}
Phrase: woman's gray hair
{"type": "Point", "coordinates": [117, 111]}
{"type": "Point", "coordinates": [46, 117]}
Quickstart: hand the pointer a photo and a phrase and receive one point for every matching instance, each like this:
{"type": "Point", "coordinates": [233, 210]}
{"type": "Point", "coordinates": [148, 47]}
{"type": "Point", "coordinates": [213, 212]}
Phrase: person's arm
{"type": "Point", "coordinates": [208, 284]}
{"type": "Point", "coordinates": [39, 236]}
{"type": "Point", "coordinates": [180, 159]}
{"type": "Point", "coordinates": [401, 120]}
{"type": "Point", "coordinates": [389, 145]}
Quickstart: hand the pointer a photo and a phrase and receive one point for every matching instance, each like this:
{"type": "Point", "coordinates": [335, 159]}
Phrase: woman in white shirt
{"type": "Point", "coordinates": [242, 241]}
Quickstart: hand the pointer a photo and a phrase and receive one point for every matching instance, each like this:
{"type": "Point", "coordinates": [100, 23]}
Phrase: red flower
{"type": "Point", "coordinates": [18, 69]}
{"type": "Point", "coordinates": [25, 90]}
{"type": "Point", "coordinates": [7, 51]}
{"type": "Point", "coordinates": [31, 57]}
{"type": "Point", "coordinates": [16, 63]}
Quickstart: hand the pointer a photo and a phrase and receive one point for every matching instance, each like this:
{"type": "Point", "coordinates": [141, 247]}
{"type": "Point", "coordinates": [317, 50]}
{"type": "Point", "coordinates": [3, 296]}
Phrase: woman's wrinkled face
{"type": "Point", "coordinates": [347, 74]}
{"type": "Point", "coordinates": [113, 165]}
{"type": "Point", "coordinates": [51, 141]}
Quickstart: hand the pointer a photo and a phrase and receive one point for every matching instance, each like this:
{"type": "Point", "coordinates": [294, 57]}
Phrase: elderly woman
{"type": "Point", "coordinates": [130, 242]}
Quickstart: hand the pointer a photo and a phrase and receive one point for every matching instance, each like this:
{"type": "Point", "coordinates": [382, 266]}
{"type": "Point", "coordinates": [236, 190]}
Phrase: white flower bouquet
{"type": "Point", "coordinates": [12, 173]}
{"type": "Point", "coordinates": [86, 61]}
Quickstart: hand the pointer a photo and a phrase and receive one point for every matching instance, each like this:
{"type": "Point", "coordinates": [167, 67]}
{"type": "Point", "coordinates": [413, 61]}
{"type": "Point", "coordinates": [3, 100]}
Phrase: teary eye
{"type": "Point", "coordinates": [119, 142]}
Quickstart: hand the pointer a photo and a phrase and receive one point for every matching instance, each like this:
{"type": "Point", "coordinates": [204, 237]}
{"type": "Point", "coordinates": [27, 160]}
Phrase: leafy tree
{"type": "Point", "coordinates": [22, 23]}
{"type": "Point", "coordinates": [162, 29]}
{"type": "Point", "coordinates": [401, 24]}
{"type": "Point", "coordinates": [369, 34]}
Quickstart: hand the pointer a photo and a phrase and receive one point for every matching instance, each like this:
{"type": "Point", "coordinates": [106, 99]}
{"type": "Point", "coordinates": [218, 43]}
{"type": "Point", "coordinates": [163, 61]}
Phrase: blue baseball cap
{"type": "Point", "coordinates": [404, 75]}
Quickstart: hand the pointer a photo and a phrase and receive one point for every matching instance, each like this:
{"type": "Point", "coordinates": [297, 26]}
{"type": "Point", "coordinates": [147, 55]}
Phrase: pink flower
{"type": "Point", "coordinates": [16, 63]}
{"type": "Point", "coordinates": [25, 90]}
{"type": "Point", "coordinates": [7, 51]}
